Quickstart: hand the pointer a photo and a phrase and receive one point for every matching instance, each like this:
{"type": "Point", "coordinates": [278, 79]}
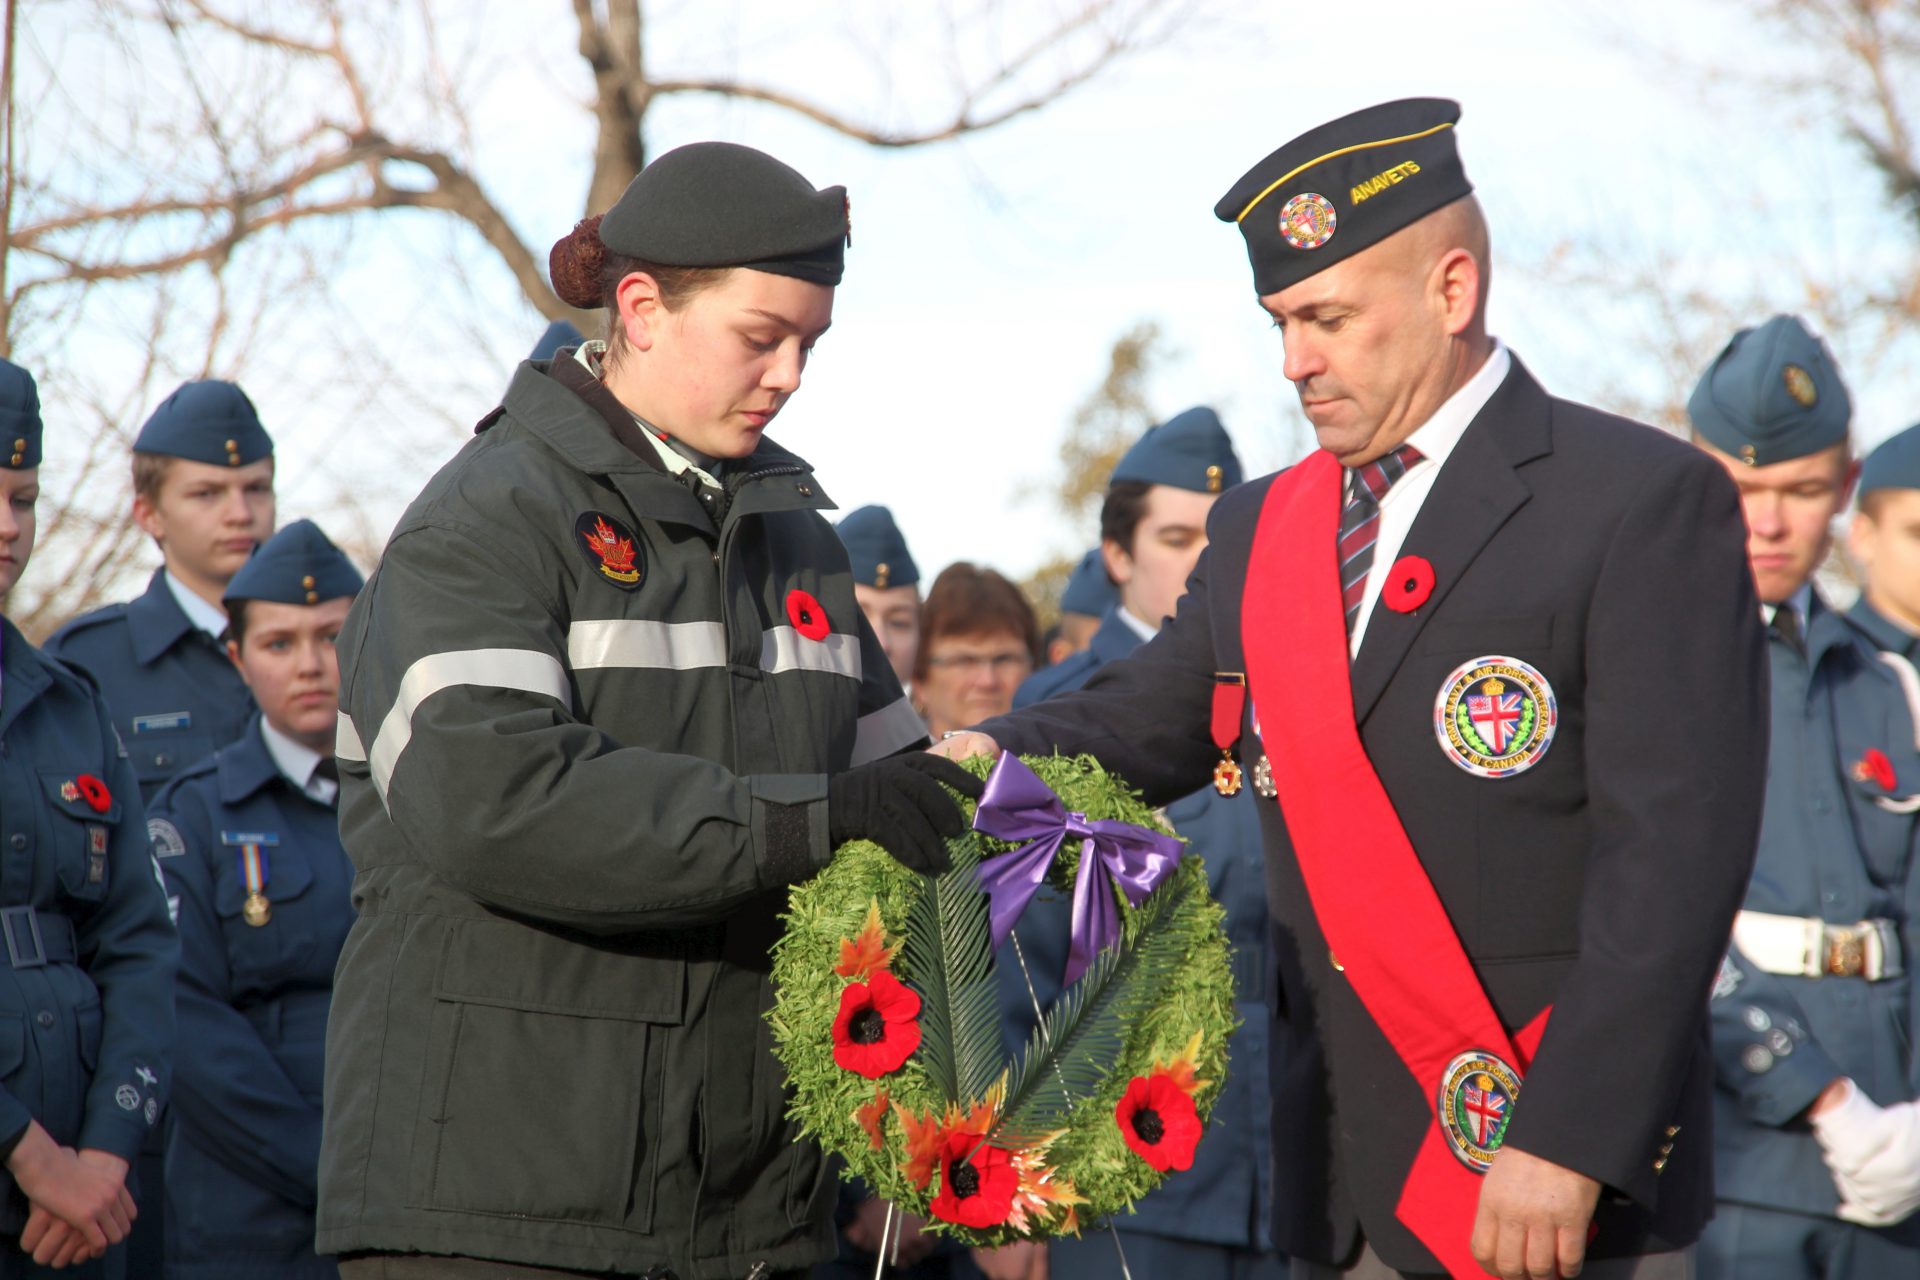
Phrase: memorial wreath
{"type": "Point", "coordinates": [887, 1012]}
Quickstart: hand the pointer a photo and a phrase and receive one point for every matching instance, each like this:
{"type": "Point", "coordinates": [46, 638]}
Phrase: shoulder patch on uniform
{"type": "Point", "coordinates": [610, 547]}
{"type": "Point", "coordinates": [165, 838]}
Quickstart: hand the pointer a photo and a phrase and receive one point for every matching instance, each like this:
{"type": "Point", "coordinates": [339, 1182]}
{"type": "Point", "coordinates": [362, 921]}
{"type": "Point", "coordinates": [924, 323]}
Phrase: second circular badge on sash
{"type": "Point", "coordinates": [1495, 716]}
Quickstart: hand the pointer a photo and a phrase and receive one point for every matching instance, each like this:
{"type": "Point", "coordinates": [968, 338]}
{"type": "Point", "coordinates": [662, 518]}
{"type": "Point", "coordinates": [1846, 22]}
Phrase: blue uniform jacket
{"type": "Point", "coordinates": [1883, 633]}
{"type": "Point", "coordinates": [1827, 849]}
{"type": "Point", "coordinates": [1224, 1198]}
{"type": "Point", "coordinates": [173, 693]}
{"type": "Point", "coordinates": [243, 1156]}
{"type": "Point", "coordinates": [87, 965]}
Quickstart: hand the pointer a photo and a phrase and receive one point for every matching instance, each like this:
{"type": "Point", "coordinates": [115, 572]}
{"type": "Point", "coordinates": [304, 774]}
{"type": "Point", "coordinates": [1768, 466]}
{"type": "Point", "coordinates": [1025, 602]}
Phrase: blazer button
{"type": "Point", "coordinates": [19, 840]}
{"type": "Point", "coordinates": [163, 760]}
{"type": "Point", "coordinates": [1334, 960]}
{"type": "Point", "coordinates": [44, 1018]}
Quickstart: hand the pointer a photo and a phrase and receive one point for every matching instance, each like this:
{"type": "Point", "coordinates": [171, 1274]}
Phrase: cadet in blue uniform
{"type": "Point", "coordinates": [203, 490]}
{"type": "Point", "coordinates": [86, 1022]}
{"type": "Point", "coordinates": [1816, 1137]}
{"type": "Point", "coordinates": [1084, 603]}
{"type": "Point", "coordinates": [1211, 1220]}
{"type": "Point", "coordinates": [1885, 539]}
{"type": "Point", "coordinates": [886, 583]}
{"type": "Point", "coordinates": [249, 841]}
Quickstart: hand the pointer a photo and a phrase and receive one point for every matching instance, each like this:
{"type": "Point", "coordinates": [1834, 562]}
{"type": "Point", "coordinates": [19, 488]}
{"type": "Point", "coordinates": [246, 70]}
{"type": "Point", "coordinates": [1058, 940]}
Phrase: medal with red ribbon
{"type": "Point", "coordinates": [1229, 711]}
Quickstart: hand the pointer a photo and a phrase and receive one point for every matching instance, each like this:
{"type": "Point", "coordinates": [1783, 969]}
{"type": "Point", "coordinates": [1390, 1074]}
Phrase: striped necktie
{"type": "Point", "coordinates": [1360, 523]}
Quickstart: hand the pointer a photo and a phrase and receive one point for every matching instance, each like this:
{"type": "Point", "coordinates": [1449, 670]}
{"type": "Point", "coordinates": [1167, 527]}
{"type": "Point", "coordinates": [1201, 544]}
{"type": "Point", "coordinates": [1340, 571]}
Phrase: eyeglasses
{"type": "Point", "coordinates": [967, 664]}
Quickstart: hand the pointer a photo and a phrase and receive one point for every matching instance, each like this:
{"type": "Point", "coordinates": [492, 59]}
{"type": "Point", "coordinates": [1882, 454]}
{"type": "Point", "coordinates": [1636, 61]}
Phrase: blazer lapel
{"type": "Point", "coordinates": [1476, 492]}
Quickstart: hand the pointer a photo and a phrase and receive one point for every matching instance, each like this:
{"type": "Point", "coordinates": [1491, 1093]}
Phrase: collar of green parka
{"type": "Point", "coordinates": [597, 442]}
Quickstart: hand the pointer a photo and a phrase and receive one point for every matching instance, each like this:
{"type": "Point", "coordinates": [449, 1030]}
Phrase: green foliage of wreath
{"type": "Point", "coordinates": [1136, 1011]}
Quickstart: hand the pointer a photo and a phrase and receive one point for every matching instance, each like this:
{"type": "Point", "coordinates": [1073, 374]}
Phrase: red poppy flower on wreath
{"type": "Point", "coordinates": [1874, 767]}
{"type": "Point", "coordinates": [807, 615]}
{"type": "Point", "coordinates": [1158, 1120]}
{"type": "Point", "coordinates": [975, 1190]}
{"type": "Point", "coordinates": [1408, 584]}
{"type": "Point", "coordinates": [878, 1026]}
{"type": "Point", "coordinates": [94, 792]}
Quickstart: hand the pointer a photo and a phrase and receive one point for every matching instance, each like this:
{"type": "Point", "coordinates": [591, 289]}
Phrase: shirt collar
{"type": "Point", "coordinates": [1436, 437]}
{"type": "Point", "coordinates": [206, 617]}
{"type": "Point", "coordinates": [589, 355]}
{"type": "Point", "coordinates": [296, 762]}
{"type": "Point", "coordinates": [1139, 628]}
{"type": "Point", "coordinates": [1801, 602]}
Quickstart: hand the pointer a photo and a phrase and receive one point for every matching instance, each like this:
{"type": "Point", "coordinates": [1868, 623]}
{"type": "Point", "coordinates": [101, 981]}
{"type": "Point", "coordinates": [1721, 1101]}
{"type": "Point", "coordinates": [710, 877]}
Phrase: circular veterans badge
{"type": "Point", "coordinates": [609, 547]}
{"type": "Point", "coordinates": [1307, 221]}
{"type": "Point", "coordinates": [1475, 1103]}
{"type": "Point", "coordinates": [1800, 385]}
{"type": "Point", "coordinates": [1495, 716]}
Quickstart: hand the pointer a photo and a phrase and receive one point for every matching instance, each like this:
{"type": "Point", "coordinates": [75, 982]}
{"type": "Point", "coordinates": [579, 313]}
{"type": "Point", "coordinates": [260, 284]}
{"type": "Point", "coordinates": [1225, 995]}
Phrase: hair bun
{"type": "Point", "coordinates": [575, 263]}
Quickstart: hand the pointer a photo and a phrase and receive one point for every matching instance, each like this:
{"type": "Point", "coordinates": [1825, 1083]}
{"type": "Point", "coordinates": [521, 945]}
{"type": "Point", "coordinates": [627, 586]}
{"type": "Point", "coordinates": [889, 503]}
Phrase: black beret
{"type": "Point", "coordinates": [718, 204]}
{"type": "Point", "coordinates": [1344, 187]}
{"type": "Point", "coordinates": [19, 418]}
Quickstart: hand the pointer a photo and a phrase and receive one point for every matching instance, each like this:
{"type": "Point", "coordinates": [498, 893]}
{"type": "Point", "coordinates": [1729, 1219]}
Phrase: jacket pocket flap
{"type": "Point", "coordinates": [288, 873]}
{"type": "Point", "coordinates": [69, 795]}
{"type": "Point", "coordinates": [640, 977]}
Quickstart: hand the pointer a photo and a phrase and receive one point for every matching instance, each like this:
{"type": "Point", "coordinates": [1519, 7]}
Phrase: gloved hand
{"type": "Point", "coordinates": [1874, 1154]}
{"type": "Point", "coordinates": [900, 805]}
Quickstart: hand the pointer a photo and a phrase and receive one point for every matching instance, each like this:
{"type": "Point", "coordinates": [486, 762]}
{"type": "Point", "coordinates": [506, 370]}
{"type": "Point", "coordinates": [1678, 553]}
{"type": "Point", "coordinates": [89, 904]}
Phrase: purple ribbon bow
{"type": "Point", "coordinates": [1017, 806]}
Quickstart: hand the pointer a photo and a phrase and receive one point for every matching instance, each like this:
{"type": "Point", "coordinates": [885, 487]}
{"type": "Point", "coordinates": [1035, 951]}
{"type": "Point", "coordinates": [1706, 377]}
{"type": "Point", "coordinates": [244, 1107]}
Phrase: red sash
{"type": "Point", "coordinates": [1370, 893]}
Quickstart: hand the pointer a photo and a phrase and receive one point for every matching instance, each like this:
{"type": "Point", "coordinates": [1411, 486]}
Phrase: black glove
{"type": "Point", "coordinates": [900, 805]}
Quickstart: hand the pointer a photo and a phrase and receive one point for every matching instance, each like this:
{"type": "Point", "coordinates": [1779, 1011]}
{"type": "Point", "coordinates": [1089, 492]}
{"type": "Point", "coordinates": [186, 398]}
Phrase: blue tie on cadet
{"type": "Point", "coordinates": [559, 334]}
{"type": "Point", "coordinates": [876, 550]}
{"type": "Point", "coordinates": [1089, 591]}
{"type": "Point", "coordinates": [1773, 394]}
{"type": "Point", "coordinates": [1895, 464]}
{"type": "Point", "coordinates": [1190, 450]}
{"type": "Point", "coordinates": [297, 565]}
{"type": "Point", "coordinates": [209, 421]}
{"type": "Point", "coordinates": [19, 418]}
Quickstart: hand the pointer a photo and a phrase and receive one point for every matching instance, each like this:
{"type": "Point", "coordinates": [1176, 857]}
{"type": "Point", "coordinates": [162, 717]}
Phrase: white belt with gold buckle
{"type": "Point", "coordinates": [1809, 947]}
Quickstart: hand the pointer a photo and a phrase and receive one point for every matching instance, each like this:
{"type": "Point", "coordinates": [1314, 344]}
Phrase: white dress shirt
{"type": "Point", "coordinates": [1435, 439]}
{"type": "Point", "coordinates": [296, 762]}
{"type": "Point", "coordinates": [208, 618]}
{"type": "Point", "coordinates": [1139, 628]}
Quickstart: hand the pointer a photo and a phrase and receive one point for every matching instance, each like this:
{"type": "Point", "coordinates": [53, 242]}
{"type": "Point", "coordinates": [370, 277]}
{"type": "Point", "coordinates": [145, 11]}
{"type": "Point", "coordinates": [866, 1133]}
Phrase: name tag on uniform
{"type": "Point", "coordinates": [268, 838]}
{"type": "Point", "coordinates": [160, 721]}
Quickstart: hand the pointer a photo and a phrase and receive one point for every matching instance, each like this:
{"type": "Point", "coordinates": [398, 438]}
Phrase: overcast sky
{"type": "Point", "coordinates": [989, 277]}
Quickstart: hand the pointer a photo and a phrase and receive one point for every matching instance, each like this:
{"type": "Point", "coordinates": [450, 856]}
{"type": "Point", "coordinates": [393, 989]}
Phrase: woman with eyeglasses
{"type": "Point", "coordinates": [978, 640]}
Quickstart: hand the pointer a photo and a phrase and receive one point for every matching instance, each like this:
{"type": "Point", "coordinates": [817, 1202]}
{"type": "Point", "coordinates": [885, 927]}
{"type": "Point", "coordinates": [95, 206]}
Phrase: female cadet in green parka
{"type": "Point", "coordinates": [608, 695]}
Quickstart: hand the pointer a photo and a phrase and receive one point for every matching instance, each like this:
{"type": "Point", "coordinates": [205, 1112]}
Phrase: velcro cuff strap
{"type": "Point", "coordinates": [789, 825]}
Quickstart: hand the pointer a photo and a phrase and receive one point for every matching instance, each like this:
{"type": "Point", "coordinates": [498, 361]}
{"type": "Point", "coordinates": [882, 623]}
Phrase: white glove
{"type": "Point", "coordinates": [1874, 1154]}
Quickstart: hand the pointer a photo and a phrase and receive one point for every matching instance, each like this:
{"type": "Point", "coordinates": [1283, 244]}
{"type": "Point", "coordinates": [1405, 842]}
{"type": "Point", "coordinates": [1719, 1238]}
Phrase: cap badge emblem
{"type": "Point", "coordinates": [1800, 386]}
{"type": "Point", "coordinates": [609, 547]}
{"type": "Point", "coordinates": [1495, 716]}
{"type": "Point", "coordinates": [1307, 221]}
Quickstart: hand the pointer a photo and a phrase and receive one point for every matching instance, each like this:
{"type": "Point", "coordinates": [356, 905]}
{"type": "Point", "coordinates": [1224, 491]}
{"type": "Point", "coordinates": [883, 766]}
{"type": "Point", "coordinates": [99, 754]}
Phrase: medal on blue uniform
{"type": "Point", "coordinates": [252, 855]}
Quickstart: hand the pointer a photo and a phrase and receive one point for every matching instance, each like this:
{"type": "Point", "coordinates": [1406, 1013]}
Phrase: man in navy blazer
{"type": "Point", "coordinates": [1496, 668]}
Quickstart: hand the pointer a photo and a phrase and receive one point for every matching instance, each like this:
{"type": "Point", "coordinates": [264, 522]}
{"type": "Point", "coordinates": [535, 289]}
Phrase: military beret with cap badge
{"type": "Point", "coordinates": [1190, 450]}
{"type": "Point", "coordinates": [719, 204]}
{"type": "Point", "coordinates": [1894, 464]}
{"type": "Point", "coordinates": [1771, 395]}
{"type": "Point", "coordinates": [297, 565]}
{"type": "Point", "coordinates": [876, 549]}
{"type": "Point", "coordinates": [19, 418]}
{"type": "Point", "coordinates": [1089, 591]}
{"type": "Point", "coordinates": [1345, 186]}
{"type": "Point", "coordinates": [208, 421]}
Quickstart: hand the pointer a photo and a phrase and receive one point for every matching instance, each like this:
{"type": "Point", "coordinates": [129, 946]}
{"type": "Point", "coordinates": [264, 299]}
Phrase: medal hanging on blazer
{"type": "Point", "coordinates": [250, 849]}
{"type": "Point", "coordinates": [1229, 710]}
